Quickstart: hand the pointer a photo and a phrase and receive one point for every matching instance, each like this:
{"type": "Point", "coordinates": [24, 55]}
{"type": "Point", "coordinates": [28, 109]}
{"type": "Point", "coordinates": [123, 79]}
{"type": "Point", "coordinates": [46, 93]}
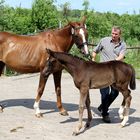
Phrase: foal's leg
{"type": "Point", "coordinates": [88, 111]}
{"type": "Point", "coordinates": [57, 82]}
{"type": "Point", "coordinates": [42, 82]}
{"type": "Point", "coordinates": [83, 96]}
{"type": "Point", "coordinates": [121, 110]}
{"type": "Point", "coordinates": [127, 98]}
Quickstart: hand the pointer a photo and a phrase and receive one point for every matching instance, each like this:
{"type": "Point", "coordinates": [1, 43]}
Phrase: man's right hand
{"type": "Point", "coordinates": [93, 59]}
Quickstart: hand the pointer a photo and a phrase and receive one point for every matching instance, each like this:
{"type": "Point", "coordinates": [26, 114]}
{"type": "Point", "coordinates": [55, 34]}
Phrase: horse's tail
{"type": "Point", "coordinates": [133, 79]}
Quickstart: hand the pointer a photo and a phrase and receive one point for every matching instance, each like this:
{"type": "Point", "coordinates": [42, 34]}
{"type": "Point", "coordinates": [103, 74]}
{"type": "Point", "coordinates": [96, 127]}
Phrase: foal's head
{"type": "Point", "coordinates": [52, 65]}
{"type": "Point", "coordinates": [80, 35]}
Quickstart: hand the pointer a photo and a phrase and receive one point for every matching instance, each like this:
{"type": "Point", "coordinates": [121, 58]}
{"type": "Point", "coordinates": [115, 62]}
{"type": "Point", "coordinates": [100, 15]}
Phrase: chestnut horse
{"type": "Point", "coordinates": [92, 75]}
{"type": "Point", "coordinates": [27, 54]}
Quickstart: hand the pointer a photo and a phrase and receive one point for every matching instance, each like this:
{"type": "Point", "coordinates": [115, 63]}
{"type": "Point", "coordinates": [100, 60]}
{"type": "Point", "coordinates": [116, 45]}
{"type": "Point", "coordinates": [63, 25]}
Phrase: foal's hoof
{"type": "Point", "coordinates": [87, 125]}
{"type": "Point", "coordinates": [39, 115]}
{"type": "Point", "coordinates": [121, 117]}
{"type": "Point", "coordinates": [122, 126]}
{"type": "Point", "coordinates": [64, 113]}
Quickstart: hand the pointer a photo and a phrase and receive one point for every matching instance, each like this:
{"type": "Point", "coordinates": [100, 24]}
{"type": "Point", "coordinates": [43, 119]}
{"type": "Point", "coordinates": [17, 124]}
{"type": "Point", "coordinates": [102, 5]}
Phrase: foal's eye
{"type": "Point", "coordinates": [49, 63]}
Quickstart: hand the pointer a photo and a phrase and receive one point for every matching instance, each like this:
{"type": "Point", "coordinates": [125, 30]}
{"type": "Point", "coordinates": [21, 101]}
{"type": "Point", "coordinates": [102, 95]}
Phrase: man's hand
{"type": "Point", "coordinates": [93, 59]}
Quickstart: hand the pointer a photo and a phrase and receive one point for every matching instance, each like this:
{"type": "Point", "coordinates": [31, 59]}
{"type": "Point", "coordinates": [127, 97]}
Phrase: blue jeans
{"type": "Point", "coordinates": [108, 95]}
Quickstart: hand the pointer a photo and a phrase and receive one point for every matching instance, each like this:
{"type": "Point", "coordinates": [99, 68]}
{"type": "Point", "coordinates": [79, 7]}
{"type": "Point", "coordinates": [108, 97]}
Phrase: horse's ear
{"type": "Point", "coordinates": [72, 27]}
{"type": "Point", "coordinates": [71, 24]}
{"type": "Point", "coordinates": [67, 19]}
{"type": "Point", "coordinates": [83, 20]}
{"type": "Point", "coordinates": [72, 31]}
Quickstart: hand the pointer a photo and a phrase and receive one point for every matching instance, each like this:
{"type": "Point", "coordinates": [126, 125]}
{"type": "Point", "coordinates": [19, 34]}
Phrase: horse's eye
{"type": "Point", "coordinates": [76, 36]}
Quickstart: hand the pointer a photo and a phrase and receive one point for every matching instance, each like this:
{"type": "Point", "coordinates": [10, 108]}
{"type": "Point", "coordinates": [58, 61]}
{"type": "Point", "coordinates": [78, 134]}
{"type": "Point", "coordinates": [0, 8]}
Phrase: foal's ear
{"type": "Point", "coordinates": [48, 51]}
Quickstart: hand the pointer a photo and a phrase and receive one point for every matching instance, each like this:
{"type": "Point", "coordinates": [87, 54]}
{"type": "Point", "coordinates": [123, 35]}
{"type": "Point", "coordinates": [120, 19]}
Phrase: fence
{"type": "Point", "coordinates": [132, 57]}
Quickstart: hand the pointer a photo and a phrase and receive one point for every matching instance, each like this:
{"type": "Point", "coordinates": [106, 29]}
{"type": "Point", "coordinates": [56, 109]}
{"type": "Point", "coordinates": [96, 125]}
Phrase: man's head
{"type": "Point", "coordinates": [116, 33]}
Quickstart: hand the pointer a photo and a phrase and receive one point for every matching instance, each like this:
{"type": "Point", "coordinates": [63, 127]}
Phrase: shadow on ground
{"type": "Point", "coordinates": [51, 105]}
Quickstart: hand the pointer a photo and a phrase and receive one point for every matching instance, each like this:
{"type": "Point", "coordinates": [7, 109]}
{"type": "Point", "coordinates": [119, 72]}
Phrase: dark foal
{"type": "Point", "coordinates": [27, 54]}
{"type": "Point", "coordinates": [92, 75]}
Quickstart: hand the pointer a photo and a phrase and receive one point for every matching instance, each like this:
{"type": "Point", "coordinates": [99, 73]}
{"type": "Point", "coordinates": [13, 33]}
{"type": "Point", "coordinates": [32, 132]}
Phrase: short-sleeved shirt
{"type": "Point", "coordinates": [109, 50]}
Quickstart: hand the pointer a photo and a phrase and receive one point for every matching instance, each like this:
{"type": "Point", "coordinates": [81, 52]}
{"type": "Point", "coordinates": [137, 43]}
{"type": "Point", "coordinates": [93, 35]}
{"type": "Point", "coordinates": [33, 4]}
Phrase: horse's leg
{"type": "Point", "coordinates": [127, 98]}
{"type": "Point", "coordinates": [1, 69]}
{"type": "Point", "coordinates": [88, 111]}
{"type": "Point", "coordinates": [121, 110]}
{"type": "Point", "coordinates": [57, 82]}
{"type": "Point", "coordinates": [42, 82]}
{"type": "Point", "coordinates": [83, 96]}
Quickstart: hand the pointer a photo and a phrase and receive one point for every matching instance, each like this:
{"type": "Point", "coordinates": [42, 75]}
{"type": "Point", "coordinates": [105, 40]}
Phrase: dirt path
{"type": "Point", "coordinates": [18, 121]}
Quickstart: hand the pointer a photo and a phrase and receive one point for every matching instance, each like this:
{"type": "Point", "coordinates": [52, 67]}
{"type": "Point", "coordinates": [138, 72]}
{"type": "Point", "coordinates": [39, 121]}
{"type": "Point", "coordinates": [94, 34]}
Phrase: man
{"type": "Point", "coordinates": [110, 48]}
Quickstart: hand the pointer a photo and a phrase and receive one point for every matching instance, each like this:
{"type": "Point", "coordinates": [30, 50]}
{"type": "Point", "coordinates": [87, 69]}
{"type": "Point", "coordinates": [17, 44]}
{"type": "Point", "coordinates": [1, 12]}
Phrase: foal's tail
{"type": "Point", "coordinates": [133, 79]}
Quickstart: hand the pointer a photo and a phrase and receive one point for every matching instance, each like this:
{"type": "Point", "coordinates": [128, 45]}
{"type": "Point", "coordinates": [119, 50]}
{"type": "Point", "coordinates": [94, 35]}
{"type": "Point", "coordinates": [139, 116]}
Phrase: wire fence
{"type": "Point", "coordinates": [132, 57]}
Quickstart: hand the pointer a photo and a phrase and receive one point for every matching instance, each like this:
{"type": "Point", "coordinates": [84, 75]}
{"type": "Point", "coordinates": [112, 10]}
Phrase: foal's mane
{"type": "Point", "coordinates": [73, 58]}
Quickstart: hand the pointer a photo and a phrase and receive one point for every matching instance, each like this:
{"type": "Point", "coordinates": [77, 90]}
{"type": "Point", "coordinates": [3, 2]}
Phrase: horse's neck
{"type": "Point", "coordinates": [65, 31]}
{"type": "Point", "coordinates": [69, 62]}
{"type": "Point", "coordinates": [64, 35]}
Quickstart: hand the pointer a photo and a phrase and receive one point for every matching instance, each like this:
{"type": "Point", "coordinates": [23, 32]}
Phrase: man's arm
{"type": "Point", "coordinates": [122, 53]}
{"type": "Point", "coordinates": [120, 57]}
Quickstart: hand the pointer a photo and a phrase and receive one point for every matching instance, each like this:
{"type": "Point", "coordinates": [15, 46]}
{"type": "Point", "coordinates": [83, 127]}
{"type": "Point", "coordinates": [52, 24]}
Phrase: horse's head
{"type": "Point", "coordinates": [80, 35]}
{"type": "Point", "coordinates": [52, 65]}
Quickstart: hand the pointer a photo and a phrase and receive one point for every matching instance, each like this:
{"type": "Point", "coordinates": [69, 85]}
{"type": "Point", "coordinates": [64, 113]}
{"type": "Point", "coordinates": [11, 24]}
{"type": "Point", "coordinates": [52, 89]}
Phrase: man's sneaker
{"type": "Point", "coordinates": [106, 119]}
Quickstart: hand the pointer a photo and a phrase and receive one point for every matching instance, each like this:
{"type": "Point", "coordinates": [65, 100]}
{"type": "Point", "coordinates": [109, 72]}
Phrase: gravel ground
{"type": "Point", "coordinates": [18, 121]}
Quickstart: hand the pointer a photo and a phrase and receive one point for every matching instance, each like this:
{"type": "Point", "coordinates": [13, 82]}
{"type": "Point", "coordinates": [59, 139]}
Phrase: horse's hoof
{"type": "Point", "coordinates": [74, 134]}
{"type": "Point", "coordinates": [64, 113]}
{"type": "Point", "coordinates": [39, 115]}
{"type": "Point", "coordinates": [1, 109]}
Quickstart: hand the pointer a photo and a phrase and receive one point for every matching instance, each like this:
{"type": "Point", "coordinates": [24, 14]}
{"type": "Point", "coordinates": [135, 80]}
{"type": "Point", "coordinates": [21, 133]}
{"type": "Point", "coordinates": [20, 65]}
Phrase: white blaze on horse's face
{"type": "Point", "coordinates": [84, 41]}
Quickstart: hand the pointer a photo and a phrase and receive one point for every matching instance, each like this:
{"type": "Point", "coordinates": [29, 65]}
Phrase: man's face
{"type": "Point", "coordinates": [115, 35]}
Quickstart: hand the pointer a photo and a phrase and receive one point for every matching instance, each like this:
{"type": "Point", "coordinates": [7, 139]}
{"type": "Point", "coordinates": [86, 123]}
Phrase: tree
{"type": "Point", "coordinates": [21, 21]}
{"type": "Point", "coordinates": [44, 14]}
{"type": "Point", "coordinates": [1, 14]}
{"type": "Point", "coordinates": [86, 6]}
{"type": "Point", "coordinates": [65, 9]}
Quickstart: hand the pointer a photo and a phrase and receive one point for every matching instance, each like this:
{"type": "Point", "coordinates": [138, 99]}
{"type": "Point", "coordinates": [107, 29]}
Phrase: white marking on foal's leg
{"type": "Point", "coordinates": [121, 112]}
{"type": "Point", "coordinates": [36, 107]}
{"type": "Point", "coordinates": [126, 117]}
{"type": "Point", "coordinates": [79, 126]}
{"type": "Point", "coordinates": [123, 123]}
